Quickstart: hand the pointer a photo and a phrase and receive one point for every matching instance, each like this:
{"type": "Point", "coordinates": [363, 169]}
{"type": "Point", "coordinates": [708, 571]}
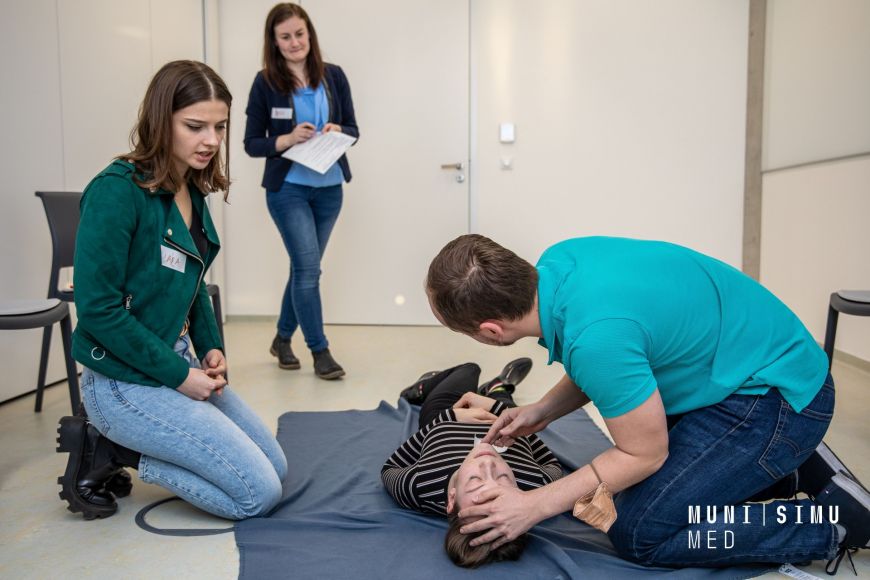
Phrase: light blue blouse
{"type": "Point", "coordinates": [312, 106]}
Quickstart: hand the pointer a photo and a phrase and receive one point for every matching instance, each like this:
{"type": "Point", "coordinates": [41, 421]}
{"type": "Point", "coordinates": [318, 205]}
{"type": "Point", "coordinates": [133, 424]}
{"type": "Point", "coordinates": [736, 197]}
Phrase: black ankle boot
{"type": "Point", "coordinates": [281, 349]}
{"type": "Point", "coordinates": [83, 494]}
{"type": "Point", "coordinates": [416, 393]}
{"type": "Point", "coordinates": [108, 462]}
{"type": "Point", "coordinates": [325, 366]}
{"type": "Point", "coordinates": [510, 376]}
{"type": "Point", "coordinates": [120, 484]}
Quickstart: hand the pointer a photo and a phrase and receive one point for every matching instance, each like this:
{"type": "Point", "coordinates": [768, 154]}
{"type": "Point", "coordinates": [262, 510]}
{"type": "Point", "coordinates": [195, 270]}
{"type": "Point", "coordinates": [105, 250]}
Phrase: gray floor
{"type": "Point", "coordinates": [40, 539]}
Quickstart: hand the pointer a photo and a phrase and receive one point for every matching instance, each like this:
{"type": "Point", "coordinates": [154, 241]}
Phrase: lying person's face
{"type": "Point", "coordinates": [482, 469]}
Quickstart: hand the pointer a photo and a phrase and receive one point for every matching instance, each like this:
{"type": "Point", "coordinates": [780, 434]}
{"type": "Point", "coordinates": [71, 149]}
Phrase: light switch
{"type": "Point", "coordinates": [506, 133]}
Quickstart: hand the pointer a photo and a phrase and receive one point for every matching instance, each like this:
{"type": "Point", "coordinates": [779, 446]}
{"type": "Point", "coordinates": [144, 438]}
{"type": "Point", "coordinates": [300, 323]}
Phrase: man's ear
{"type": "Point", "coordinates": [451, 499]}
{"type": "Point", "coordinates": [492, 329]}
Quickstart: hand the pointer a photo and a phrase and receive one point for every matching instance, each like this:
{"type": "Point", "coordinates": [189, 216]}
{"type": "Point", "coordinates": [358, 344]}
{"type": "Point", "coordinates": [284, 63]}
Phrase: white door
{"type": "Point", "coordinates": [620, 130]}
{"type": "Point", "coordinates": [407, 63]}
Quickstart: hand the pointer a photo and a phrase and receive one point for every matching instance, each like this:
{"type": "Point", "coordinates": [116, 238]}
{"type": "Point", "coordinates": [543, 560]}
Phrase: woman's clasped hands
{"type": "Point", "coordinates": [200, 384]}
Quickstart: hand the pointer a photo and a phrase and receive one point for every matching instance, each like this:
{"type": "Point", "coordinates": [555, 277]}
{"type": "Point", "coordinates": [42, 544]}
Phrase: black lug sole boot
{"type": "Point", "coordinates": [82, 496]}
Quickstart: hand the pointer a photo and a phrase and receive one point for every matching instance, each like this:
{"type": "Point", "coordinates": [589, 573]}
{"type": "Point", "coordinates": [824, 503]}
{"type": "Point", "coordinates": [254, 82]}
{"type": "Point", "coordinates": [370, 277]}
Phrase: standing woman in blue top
{"type": "Point", "coordinates": [293, 98]}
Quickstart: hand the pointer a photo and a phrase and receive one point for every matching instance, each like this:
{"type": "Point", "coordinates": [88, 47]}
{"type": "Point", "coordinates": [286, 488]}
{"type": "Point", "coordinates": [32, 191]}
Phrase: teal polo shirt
{"type": "Point", "coordinates": [626, 317]}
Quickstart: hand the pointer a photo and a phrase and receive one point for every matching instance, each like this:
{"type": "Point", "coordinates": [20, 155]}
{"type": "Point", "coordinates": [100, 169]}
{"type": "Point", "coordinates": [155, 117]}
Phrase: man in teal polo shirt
{"type": "Point", "coordinates": [712, 389]}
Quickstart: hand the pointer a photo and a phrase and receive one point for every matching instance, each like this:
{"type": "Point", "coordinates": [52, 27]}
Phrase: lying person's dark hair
{"type": "Point", "coordinates": [462, 553]}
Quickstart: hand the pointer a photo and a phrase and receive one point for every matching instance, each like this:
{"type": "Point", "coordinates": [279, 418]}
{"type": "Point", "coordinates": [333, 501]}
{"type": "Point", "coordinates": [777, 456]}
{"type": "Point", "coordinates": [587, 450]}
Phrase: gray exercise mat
{"type": "Point", "coordinates": [337, 521]}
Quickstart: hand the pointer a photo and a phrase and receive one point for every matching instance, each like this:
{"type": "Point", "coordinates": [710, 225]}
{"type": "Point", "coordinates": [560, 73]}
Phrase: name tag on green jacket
{"type": "Point", "coordinates": [173, 259]}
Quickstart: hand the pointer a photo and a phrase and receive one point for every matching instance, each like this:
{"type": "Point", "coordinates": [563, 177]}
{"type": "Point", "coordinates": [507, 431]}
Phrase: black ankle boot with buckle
{"type": "Point", "coordinates": [325, 366]}
{"type": "Point", "coordinates": [93, 470]}
{"type": "Point", "coordinates": [281, 349]}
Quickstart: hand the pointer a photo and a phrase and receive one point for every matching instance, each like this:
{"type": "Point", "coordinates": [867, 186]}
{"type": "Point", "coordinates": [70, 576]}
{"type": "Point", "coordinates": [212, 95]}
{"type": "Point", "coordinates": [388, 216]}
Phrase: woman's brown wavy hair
{"type": "Point", "coordinates": [177, 85]}
{"type": "Point", "coordinates": [275, 69]}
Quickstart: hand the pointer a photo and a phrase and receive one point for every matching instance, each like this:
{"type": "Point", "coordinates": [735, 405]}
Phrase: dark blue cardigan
{"type": "Point", "coordinates": [262, 130]}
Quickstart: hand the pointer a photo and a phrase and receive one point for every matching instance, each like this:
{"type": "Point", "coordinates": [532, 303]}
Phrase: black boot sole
{"type": "Point", "coordinates": [331, 376]}
{"type": "Point", "coordinates": [71, 440]}
{"type": "Point", "coordinates": [288, 366]}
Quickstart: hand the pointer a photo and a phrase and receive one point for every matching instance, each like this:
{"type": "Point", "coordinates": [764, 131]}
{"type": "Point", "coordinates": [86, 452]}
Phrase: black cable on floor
{"type": "Point", "coordinates": [140, 521]}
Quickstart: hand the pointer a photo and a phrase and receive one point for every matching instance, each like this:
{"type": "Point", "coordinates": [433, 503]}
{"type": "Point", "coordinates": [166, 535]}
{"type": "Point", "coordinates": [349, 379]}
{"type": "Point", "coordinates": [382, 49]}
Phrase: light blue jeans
{"type": "Point", "coordinates": [216, 454]}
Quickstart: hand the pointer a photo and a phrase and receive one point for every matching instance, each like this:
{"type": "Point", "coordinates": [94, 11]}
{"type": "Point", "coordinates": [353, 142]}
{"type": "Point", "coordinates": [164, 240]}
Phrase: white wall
{"type": "Point", "coordinates": [31, 158]}
{"type": "Point", "coordinates": [814, 237]}
{"type": "Point", "coordinates": [630, 121]}
{"type": "Point", "coordinates": [815, 240]}
{"type": "Point", "coordinates": [255, 260]}
{"type": "Point", "coordinates": [817, 81]}
{"type": "Point", "coordinates": [74, 75]}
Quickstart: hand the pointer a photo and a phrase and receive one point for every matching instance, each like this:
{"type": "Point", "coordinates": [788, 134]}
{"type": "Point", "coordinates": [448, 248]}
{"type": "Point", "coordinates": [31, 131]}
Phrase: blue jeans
{"type": "Point", "coordinates": [305, 217]}
{"type": "Point", "coordinates": [216, 454]}
{"type": "Point", "coordinates": [720, 456]}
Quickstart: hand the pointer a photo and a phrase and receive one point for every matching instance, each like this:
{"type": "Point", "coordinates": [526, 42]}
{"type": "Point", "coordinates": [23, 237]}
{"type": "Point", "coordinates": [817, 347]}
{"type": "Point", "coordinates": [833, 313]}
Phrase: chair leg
{"type": "Point", "coordinates": [831, 334]}
{"type": "Point", "coordinates": [219, 318]}
{"type": "Point", "coordinates": [218, 312]}
{"type": "Point", "coordinates": [72, 372]}
{"type": "Point", "coordinates": [43, 367]}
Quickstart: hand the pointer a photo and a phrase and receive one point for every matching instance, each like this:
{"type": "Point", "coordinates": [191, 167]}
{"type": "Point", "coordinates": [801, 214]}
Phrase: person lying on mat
{"type": "Point", "coordinates": [439, 467]}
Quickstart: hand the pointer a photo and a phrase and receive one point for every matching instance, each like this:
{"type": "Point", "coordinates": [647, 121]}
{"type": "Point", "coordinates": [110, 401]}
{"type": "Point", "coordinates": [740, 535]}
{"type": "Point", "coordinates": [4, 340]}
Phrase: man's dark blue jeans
{"type": "Point", "coordinates": [719, 457]}
{"type": "Point", "coordinates": [305, 217]}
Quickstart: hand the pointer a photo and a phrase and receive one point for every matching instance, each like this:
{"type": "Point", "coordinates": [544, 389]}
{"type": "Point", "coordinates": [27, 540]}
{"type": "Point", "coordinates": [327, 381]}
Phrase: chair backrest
{"type": "Point", "coordinates": [62, 212]}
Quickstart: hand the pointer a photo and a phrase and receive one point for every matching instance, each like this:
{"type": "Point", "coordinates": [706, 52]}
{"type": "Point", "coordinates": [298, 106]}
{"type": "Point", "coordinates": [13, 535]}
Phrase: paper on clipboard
{"type": "Point", "coordinates": [321, 151]}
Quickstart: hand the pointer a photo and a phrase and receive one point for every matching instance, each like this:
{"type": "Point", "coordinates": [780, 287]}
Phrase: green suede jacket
{"type": "Point", "coordinates": [137, 277]}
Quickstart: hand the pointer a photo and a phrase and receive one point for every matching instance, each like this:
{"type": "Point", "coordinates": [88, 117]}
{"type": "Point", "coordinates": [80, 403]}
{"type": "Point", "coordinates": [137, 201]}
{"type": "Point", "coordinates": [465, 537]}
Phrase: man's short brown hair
{"type": "Point", "coordinates": [473, 279]}
{"type": "Point", "coordinates": [462, 553]}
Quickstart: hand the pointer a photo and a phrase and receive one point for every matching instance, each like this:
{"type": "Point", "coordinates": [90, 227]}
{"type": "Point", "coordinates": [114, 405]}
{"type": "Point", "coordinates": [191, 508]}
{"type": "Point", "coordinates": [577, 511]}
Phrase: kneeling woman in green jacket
{"type": "Point", "coordinates": [144, 243]}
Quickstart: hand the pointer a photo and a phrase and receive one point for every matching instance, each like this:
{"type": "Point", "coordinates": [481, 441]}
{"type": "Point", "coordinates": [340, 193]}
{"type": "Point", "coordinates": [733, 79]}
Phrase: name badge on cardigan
{"type": "Point", "coordinates": [172, 259]}
{"type": "Point", "coordinates": [282, 113]}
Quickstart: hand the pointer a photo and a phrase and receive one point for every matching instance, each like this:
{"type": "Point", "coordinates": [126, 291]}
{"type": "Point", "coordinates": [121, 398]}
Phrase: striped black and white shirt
{"type": "Point", "coordinates": [416, 475]}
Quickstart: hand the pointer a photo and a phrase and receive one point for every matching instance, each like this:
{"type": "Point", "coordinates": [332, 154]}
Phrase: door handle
{"type": "Point", "coordinates": [457, 166]}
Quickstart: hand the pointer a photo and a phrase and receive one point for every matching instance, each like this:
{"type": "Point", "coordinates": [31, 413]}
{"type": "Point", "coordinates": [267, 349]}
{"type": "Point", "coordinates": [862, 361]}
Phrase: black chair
{"type": "Point", "coordinates": [63, 214]}
{"type": "Point", "coordinates": [62, 211]}
{"type": "Point", "coordinates": [855, 302]}
{"type": "Point", "coordinates": [24, 314]}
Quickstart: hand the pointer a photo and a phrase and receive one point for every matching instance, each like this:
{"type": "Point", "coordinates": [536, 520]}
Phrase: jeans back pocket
{"type": "Point", "coordinates": [798, 434]}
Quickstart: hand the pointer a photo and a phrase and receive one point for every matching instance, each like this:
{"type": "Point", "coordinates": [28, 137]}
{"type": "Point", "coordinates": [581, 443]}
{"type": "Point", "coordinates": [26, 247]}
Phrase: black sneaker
{"type": "Point", "coordinates": [415, 393]}
{"type": "Point", "coordinates": [816, 472]}
{"type": "Point", "coordinates": [853, 511]}
{"type": "Point", "coordinates": [281, 349]}
{"type": "Point", "coordinates": [325, 366]}
{"type": "Point", "coordinates": [510, 376]}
